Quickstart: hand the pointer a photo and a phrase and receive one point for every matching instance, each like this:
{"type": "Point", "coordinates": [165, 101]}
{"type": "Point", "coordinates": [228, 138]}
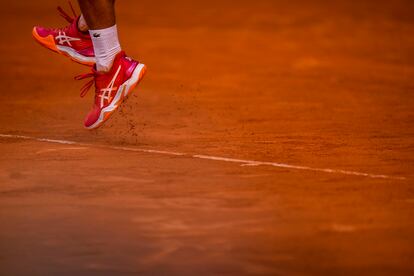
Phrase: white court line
{"type": "Point", "coordinates": [243, 162]}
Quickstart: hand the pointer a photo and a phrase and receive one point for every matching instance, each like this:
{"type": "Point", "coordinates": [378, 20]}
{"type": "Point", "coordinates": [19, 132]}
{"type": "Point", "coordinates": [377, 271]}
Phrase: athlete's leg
{"type": "Point", "coordinates": [115, 75]}
{"type": "Point", "coordinates": [99, 16]}
{"type": "Point", "coordinates": [72, 40]}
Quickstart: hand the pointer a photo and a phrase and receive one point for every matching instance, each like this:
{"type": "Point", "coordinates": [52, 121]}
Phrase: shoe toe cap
{"type": "Point", "coordinates": [92, 117]}
{"type": "Point", "coordinates": [41, 31]}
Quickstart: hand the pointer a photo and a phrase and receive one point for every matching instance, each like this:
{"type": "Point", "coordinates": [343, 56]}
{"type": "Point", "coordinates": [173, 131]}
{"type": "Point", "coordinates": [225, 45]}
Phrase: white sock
{"type": "Point", "coordinates": [106, 46]}
{"type": "Point", "coordinates": [82, 25]}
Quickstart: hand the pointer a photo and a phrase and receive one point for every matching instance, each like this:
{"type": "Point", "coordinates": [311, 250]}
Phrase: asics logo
{"type": "Point", "coordinates": [106, 92]}
{"type": "Point", "coordinates": [62, 38]}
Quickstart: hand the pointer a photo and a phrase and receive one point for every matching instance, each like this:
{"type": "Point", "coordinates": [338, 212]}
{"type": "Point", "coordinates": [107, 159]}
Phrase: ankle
{"type": "Point", "coordinates": [103, 68]}
{"type": "Point", "coordinates": [106, 47]}
{"type": "Point", "coordinates": [82, 25]}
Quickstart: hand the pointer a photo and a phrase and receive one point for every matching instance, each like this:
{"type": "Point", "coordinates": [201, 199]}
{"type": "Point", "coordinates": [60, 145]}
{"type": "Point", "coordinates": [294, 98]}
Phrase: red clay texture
{"type": "Point", "coordinates": [320, 84]}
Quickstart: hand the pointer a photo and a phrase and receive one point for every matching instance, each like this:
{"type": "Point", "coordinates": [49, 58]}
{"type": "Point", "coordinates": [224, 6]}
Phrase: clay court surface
{"type": "Point", "coordinates": [319, 92]}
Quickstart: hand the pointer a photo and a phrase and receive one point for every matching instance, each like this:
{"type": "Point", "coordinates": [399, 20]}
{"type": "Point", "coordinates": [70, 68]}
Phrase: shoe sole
{"type": "Point", "coordinates": [49, 43]}
{"type": "Point", "coordinates": [123, 92]}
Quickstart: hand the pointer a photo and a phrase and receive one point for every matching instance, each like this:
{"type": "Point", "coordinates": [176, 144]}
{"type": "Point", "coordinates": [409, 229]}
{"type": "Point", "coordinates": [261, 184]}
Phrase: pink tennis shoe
{"type": "Point", "coordinates": [68, 41]}
{"type": "Point", "coordinates": [111, 88]}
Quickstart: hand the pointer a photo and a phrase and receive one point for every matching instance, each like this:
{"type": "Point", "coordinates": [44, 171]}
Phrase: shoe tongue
{"type": "Point", "coordinates": [98, 76]}
{"type": "Point", "coordinates": [119, 56]}
{"type": "Point", "coordinates": [94, 70]}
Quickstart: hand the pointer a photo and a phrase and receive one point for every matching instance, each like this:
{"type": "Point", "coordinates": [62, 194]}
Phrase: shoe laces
{"type": "Point", "coordinates": [88, 85]}
{"type": "Point", "coordinates": [65, 15]}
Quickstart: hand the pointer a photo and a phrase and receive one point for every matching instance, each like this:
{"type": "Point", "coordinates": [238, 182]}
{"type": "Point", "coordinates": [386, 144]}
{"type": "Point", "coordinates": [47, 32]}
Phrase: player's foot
{"type": "Point", "coordinates": [68, 41]}
{"type": "Point", "coordinates": [111, 88]}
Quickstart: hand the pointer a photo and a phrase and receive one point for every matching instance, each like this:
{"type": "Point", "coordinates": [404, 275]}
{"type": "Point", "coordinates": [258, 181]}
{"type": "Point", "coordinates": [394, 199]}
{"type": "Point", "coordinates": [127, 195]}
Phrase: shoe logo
{"type": "Point", "coordinates": [96, 35]}
{"type": "Point", "coordinates": [106, 92]}
{"type": "Point", "coordinates": [63, 38]}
